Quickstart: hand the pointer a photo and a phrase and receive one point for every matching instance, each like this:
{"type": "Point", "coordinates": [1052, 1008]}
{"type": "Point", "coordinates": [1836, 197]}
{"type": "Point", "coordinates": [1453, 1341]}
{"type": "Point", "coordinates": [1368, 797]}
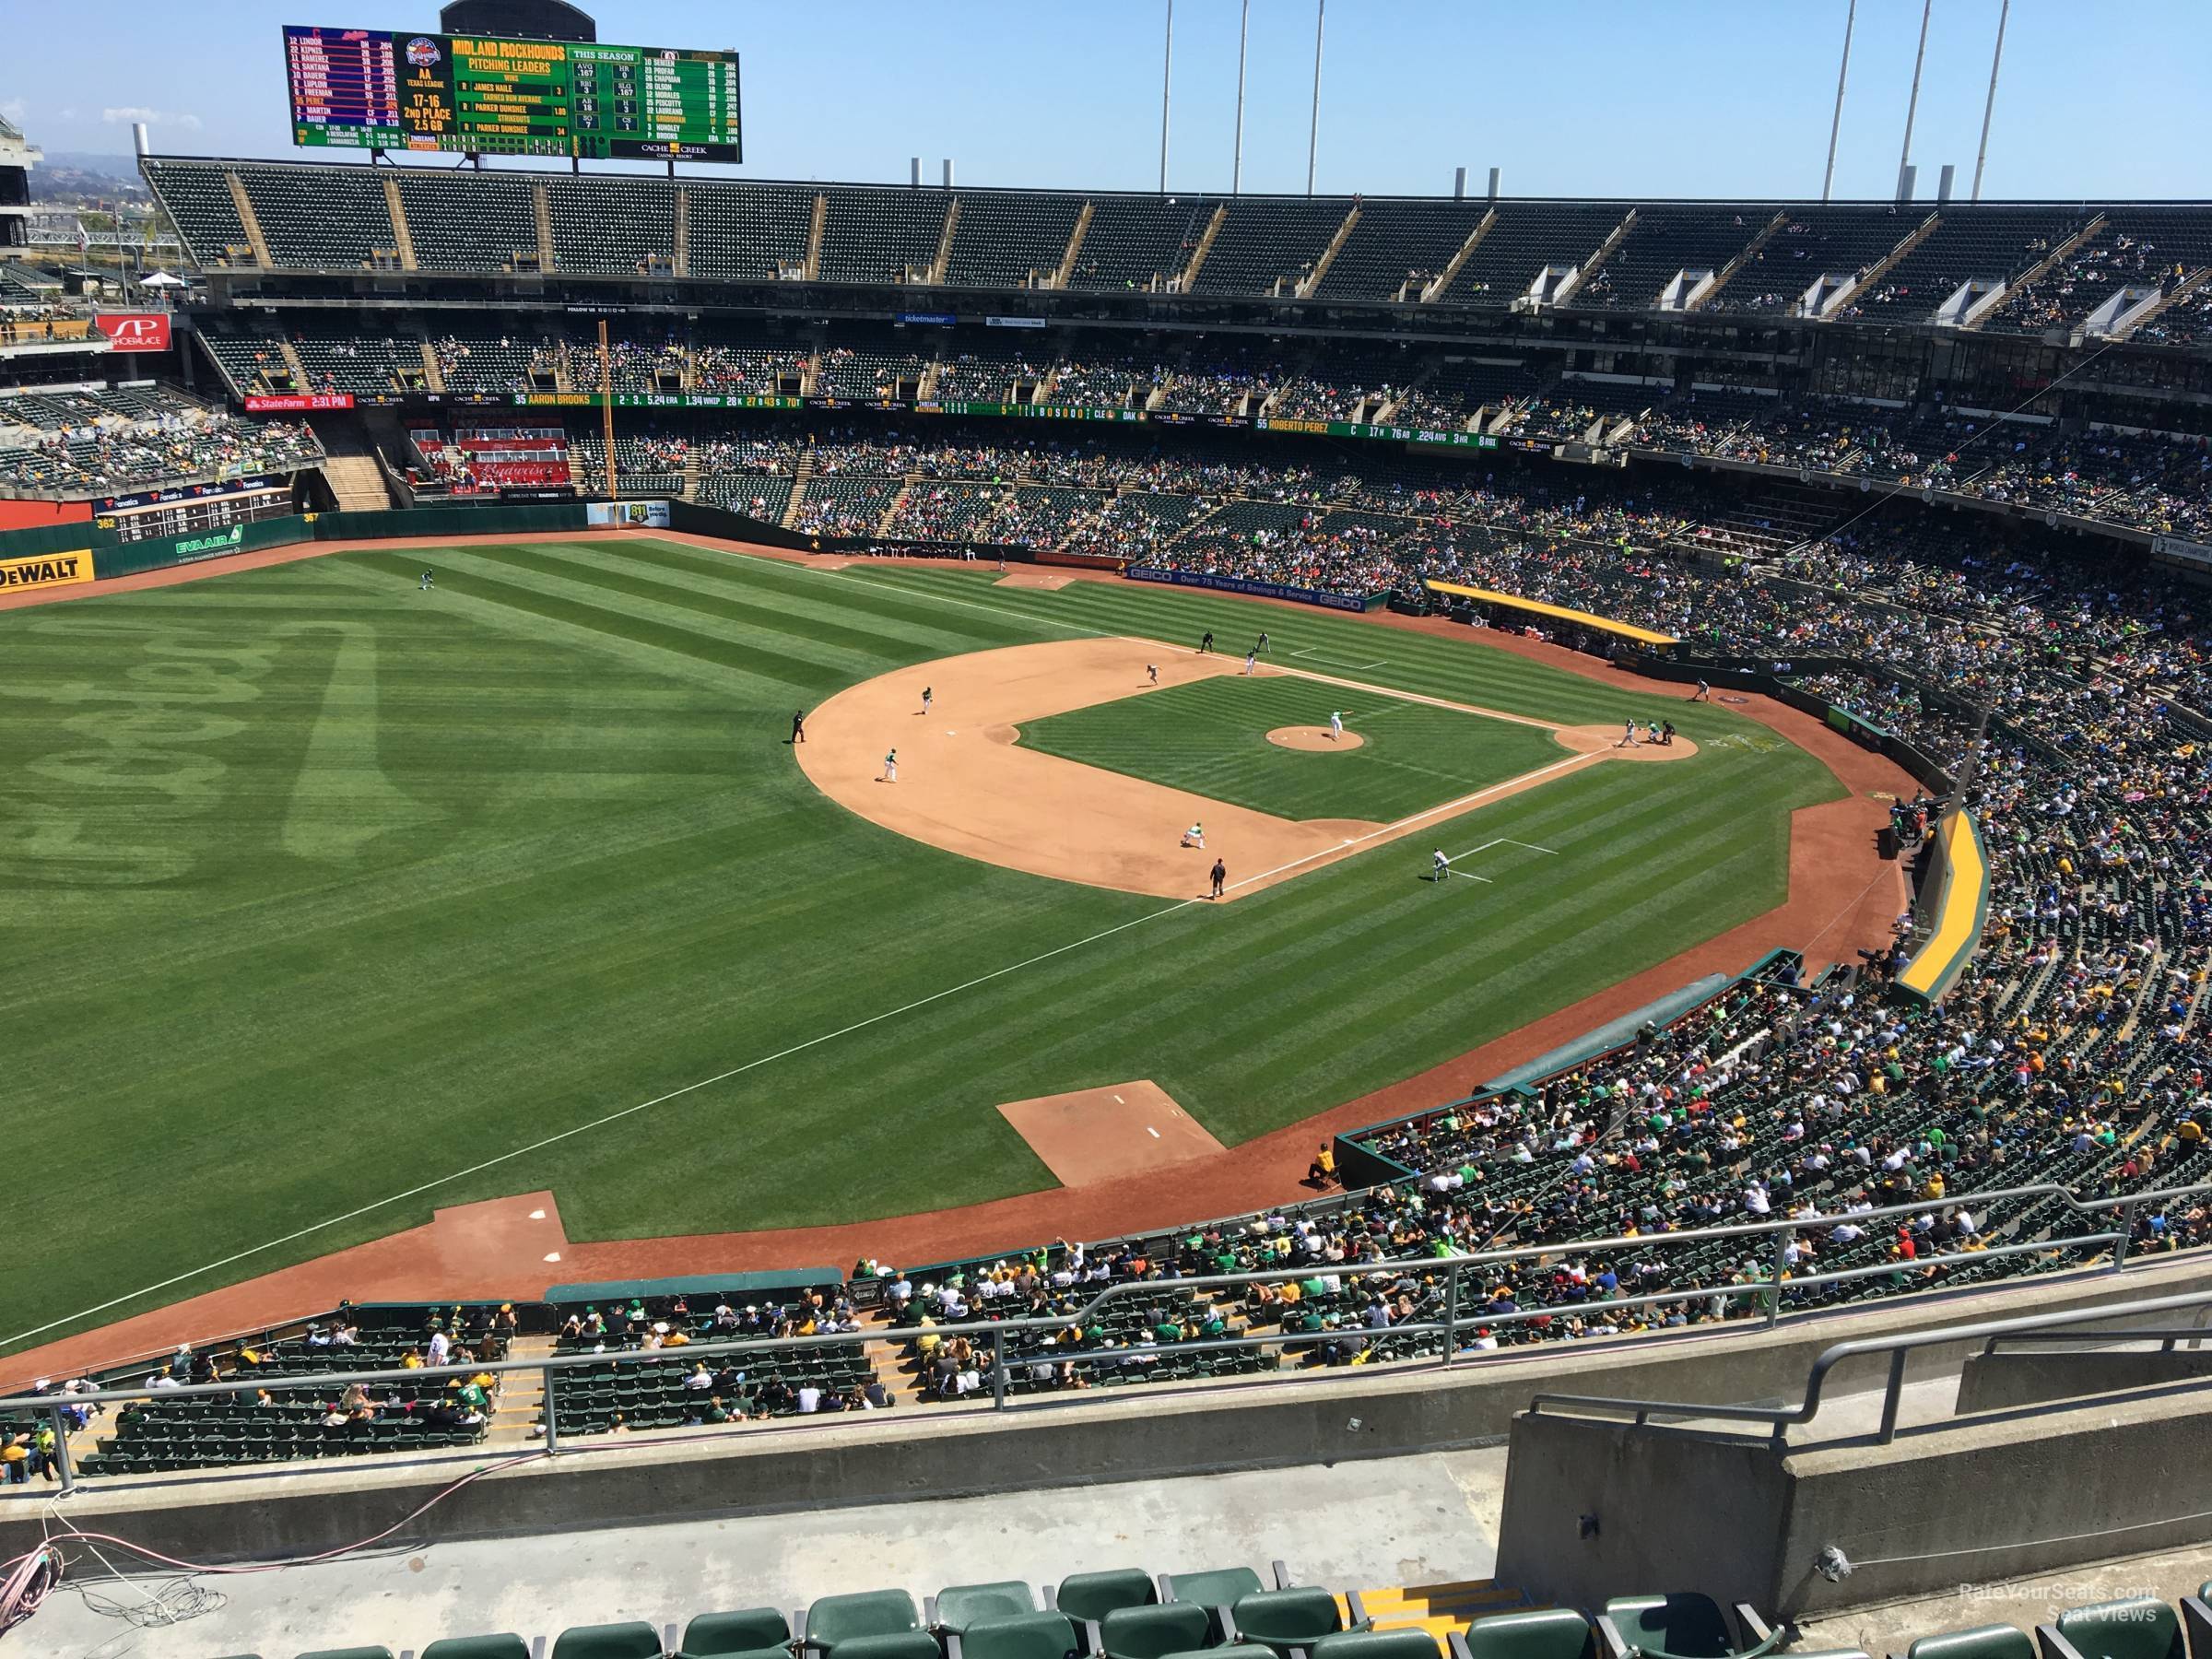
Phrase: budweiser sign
{"type": "Point", "coordinates": [287, 403]}
{"type": "Point", "coordinates": [135, 331]}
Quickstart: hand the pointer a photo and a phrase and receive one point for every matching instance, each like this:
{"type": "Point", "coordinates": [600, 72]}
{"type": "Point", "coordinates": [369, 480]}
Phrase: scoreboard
{"type": "Point", "coordinates": [379, 88]}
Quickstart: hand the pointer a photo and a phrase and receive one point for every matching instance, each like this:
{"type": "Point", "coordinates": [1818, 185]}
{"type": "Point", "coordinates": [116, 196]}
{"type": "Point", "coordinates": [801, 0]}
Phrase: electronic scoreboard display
{"type": "Point", "coordinates": [379, 88]}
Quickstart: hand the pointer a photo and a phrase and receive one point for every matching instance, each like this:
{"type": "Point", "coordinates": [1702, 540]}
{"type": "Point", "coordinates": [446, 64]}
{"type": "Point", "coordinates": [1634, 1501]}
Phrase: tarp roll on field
{"type": "Point", "coordinates": [1956, 886]}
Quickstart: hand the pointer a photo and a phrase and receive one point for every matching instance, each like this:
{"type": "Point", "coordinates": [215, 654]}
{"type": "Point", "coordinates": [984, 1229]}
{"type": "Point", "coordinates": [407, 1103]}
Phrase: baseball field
{"type": "Point", "coordinates": [329, 899]}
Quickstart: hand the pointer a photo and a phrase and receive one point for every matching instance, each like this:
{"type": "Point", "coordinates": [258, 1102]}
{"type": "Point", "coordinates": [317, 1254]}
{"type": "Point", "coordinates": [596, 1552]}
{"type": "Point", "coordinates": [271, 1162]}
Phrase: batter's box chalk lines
{"type": "Point", "coordinates": [1502, 840]}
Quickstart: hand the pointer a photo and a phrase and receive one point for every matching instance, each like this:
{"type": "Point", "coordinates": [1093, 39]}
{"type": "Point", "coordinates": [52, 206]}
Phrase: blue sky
{"type": "Point", "coordinates": [1569, 97]}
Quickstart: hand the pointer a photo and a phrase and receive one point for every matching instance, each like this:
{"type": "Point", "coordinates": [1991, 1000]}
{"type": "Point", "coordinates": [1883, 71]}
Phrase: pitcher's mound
{"type": "Point", "coordinates": [1097, 1134]}
{"type": "Point", "coordinates": [1312, 738]}
{"type": "Point", "coordinates": [1032, 579]}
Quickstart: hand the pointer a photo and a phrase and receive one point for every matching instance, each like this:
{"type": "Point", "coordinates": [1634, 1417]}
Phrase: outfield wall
{"type": "Point", "coordinates": [113, 556]}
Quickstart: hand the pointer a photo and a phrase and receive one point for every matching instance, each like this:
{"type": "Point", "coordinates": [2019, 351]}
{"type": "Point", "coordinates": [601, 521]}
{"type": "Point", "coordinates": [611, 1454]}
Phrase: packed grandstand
{"type": "Point", "coordinates": [1942, 474]}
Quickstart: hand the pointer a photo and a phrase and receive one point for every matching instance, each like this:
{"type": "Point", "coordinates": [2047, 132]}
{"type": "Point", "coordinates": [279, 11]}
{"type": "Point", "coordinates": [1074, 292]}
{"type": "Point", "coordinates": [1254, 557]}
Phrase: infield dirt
{"type": "Point", "coordinates": [964, 781]}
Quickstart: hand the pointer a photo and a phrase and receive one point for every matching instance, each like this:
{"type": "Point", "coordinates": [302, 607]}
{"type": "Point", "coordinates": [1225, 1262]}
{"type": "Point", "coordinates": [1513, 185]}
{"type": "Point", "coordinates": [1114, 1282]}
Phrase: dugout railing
{"type": "Point", "coordinates": [1443, 1342]}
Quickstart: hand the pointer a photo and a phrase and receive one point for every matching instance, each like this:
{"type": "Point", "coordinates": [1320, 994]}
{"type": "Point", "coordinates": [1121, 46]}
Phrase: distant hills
{"type": "Point", "coordinates": [66, 177]}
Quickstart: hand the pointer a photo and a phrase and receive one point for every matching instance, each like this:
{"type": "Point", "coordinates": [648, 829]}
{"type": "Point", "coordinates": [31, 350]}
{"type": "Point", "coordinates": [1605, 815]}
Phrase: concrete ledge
{"type": "Point", "coordinates": [2001, 1381]}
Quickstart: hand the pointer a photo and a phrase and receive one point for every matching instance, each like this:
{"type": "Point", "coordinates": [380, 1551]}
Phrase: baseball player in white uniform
{"type": "Point", "coordinates": [890, 766]}
{"type": "Point", "coordinates": [1440, 866]}
{"type": "Point", "coordinates": [1335, 724]}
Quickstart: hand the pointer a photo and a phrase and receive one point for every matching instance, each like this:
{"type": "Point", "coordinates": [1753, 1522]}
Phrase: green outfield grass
{"type": "Point", "coordinates": [1211, 736]}
{"type": "Point", "coordinates": [319, 890]}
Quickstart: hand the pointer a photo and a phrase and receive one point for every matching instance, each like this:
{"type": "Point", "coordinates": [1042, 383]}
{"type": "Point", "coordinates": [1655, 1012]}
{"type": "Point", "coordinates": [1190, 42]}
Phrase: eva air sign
{"type": "Point", "coordinates": [208, 546]}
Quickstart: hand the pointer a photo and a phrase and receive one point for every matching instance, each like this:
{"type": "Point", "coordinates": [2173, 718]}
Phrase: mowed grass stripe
{"type": "Point", "coordinates": [843, 645]}
{"type": "Point", "coordinates": [516, 591]}
{"type": "Point", "coordinates": [795, 590]}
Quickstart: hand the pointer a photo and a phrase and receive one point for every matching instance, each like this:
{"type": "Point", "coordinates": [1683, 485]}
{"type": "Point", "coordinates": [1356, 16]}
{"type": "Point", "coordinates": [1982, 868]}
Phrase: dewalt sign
{"type": "Point", "coordinates": [48, 569]}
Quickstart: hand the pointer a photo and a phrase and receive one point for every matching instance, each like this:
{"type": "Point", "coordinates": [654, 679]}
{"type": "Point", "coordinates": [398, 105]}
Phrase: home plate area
{"type": "Point", "coordinates": [1097, 1134]}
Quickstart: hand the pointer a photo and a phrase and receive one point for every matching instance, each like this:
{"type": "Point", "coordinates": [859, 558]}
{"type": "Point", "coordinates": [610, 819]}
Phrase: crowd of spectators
{"type": "Point", "coordinates": [171, 448]}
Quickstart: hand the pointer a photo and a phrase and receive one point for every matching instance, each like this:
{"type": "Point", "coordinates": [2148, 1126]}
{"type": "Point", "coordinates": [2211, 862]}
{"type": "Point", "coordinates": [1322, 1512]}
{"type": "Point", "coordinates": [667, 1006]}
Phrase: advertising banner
{"type": "Point", "coordinates": [1257, 590]}
{"type": "Point", "coordinates": [288, 403]}
{"type": "Point", "coordinates": [48, 569]}
{"type": "Point", "coordinates": [135, 331]}
{"type": "Point", "coordinates": [639, 516]}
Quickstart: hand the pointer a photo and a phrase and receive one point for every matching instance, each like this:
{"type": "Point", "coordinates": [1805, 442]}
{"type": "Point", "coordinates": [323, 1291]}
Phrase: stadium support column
{"type": "Point", "coordinates": [1904, 158]}
{"type": "Point", "coordinates": [606, 413]}
{"type": "Point", "coordinates": [1835, 124]}
{"type": "Point", "coordinates": [1236, 166]}
{"type": "Point", "coordinates": [1167, 79]}
{"type": "Point", "coordinates": [1321, 10]}
{"type": "Point", "coordinates": [1990, 107]}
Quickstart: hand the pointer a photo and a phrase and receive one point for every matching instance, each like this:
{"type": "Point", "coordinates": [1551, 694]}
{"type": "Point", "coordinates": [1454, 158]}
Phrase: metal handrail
{"type": "Point", "coordinates": [1898, 1346]}
{"type": "Point", "coordinates": [1458, 1317]}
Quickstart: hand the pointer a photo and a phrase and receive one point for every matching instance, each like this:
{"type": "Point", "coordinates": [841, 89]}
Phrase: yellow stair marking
{"type": "Point", "coordinates": [1437, 1608]}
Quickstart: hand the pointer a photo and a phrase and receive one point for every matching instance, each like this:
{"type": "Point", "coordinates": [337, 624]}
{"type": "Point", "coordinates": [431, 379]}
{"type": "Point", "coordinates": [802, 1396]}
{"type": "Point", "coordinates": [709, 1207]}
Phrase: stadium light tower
{"type": "Point", "coordinates": [1167, 77]}
{"type": "Point", "coordinates": [1836, 125]}
{"type": "Point", "coordinates": [1236, 167]}
{"type": "Point", "coordinates": [1904, 160]}
{"type": "Point", "coordinates": [1321, 10]}
{"type": "Point", "coordinates": [1990, 108]}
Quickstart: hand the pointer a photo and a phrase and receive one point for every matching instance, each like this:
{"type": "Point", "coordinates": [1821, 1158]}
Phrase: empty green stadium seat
{"type": "Point", "coordinates": [1548, 1633]}
{"type": "Point", "coordinates": [1221, 1587]}
{"type": "Point", "coordinates": [1092, 1595]}
{"type": "Point", "coordinates": [836, 1619]}
{"type": "Point", "coordinates": [2140, 1628]}
{"type": "Point", "coordinates": [1685, 1624]}
{"type": "Point", "coordinates": [1282, 1620]}
{"type": "Point", "coordinates": [1028, 1636]}
{"type": "Point", "coordinates": [753, 1632]}
{"type": "Point", "coordinates": [963, 1605]}
{"type": "Point", "coordinates": [633, 1640]}
{"type": "Point", "coordinates": [1154, 1632]}
{"type": "Point", "coordinates": [1235, 1650]}
{"type": "Point", "coordinates": [1377, 1645]}
{"type": "Point", "coordinates": [1983, 1642]}
{"type": "Point", "coordinates": [503, 1646]}
{"type": "Point", "coordinates": [891, 1644]}
{"type": "Point", "coordinates": [2196, 1619]}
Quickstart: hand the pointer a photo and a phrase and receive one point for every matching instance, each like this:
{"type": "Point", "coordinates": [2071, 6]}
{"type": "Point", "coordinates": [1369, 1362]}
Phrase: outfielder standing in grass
{"type": "Point", "coordinates": [1440, 868]}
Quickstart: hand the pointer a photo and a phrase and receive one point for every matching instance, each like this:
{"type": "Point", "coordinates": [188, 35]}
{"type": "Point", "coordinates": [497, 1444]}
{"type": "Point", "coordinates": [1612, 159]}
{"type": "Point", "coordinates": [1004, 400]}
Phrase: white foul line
{"type": "Point", "coordinates": [601, 1122]}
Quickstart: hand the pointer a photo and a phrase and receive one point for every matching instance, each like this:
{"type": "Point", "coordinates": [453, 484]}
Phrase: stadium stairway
{"type": "Point", "coordinates": [522, 1400]}
{"type": "Point", "coordinates": [883, 525]}
{"type": "Point", "coordinates": [1438, 1609]}
{"type": "Point", "coordinates": [799, 480]}
{"type": "Point", "coordinates": [358, 482]}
